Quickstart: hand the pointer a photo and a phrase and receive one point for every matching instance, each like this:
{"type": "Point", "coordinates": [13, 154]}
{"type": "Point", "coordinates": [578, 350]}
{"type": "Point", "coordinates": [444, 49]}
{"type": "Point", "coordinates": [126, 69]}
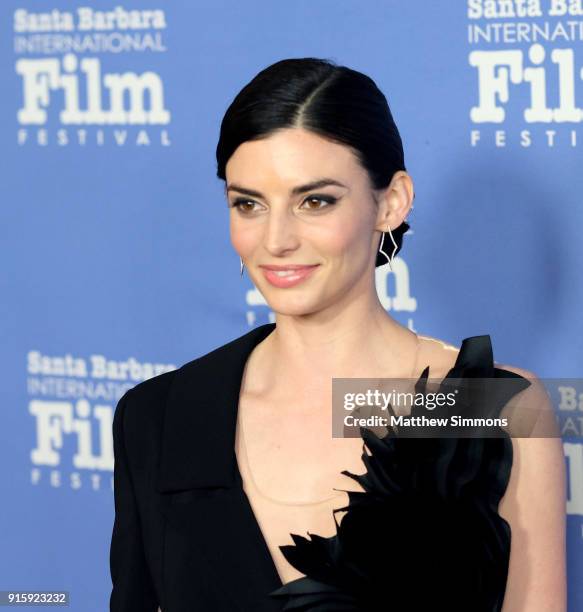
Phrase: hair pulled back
{"type": "Point", "coordinates": [335, 102]}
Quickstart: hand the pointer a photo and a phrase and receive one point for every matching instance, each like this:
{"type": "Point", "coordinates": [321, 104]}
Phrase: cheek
{"type": "Point", "coordinates": [245, 237]}
{"type": "Point", "coordinates": [343, 236]}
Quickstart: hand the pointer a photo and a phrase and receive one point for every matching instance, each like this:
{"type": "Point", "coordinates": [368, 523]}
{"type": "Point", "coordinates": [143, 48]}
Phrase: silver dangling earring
{"type": "Point", "coordinates": [389, 259]}
{"type": "Point", "coordinates": [242, 265]}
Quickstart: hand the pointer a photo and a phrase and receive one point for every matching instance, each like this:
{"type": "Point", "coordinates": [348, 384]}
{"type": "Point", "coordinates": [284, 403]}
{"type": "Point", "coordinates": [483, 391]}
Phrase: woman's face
{"type": "Point", "coordinates": [298, 199]}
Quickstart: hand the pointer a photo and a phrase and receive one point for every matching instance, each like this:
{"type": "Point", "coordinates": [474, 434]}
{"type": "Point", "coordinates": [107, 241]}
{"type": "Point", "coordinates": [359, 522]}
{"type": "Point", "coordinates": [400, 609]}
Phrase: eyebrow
{"type": "Point", "coordinates": [317, 184]}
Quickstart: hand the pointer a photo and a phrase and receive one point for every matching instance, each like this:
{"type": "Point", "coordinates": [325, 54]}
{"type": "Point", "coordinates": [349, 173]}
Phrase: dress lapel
{"type": "Point", "coordinates": [212, 539]}
{"type": "Point", "coordinates": [198, 444]}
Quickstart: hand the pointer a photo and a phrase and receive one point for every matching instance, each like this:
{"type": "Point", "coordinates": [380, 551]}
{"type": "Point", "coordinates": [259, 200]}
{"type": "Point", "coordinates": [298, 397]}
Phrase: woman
{"type": "Point", "coordinates": [222, 464]}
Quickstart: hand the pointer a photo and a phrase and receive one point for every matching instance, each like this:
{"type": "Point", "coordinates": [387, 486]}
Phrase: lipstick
{"type": "Point", "coordinates": [283, 276]}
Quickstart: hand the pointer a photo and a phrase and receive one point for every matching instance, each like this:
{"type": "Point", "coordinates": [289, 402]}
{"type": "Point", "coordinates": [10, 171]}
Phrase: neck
{"type": "Point", "coordinates": [305, 352]}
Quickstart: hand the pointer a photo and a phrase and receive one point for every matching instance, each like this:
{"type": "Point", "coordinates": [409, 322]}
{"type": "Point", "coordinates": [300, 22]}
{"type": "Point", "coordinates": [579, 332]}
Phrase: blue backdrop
{"type": "Point", "coordinates": [114, 228]}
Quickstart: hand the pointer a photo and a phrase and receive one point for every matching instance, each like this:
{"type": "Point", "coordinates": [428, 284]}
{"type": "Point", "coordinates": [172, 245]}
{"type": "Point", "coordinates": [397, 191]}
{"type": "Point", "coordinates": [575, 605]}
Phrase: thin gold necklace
{"type": "Point", "coordinates": [268, 497]}
{"type": "Point", "coordinates": [279, 502]}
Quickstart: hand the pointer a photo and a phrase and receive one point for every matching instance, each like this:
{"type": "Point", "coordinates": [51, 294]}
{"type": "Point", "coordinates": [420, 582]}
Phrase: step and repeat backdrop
{"type": "Point", "coordinates": [115, 233]}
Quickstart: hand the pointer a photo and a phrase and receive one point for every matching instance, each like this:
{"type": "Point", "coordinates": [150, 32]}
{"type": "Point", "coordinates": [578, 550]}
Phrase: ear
{"type": "Point", "coordinates": [395, 201]}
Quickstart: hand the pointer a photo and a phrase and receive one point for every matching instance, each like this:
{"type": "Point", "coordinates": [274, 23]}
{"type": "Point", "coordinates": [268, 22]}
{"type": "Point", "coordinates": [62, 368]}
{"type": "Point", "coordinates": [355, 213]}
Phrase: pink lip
{"type": "Point", "coordinates": [299, 275]}
{"type": "Point", "coordinates": [287, 266]}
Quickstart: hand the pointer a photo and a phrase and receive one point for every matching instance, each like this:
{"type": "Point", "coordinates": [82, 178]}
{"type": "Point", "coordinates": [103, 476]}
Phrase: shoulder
{"type": "Point", "coordinates": [139, 414]}
{"type": "Point", "coordinates": [144, 404]}
{"type": "Point", "coordinates": [436, 353]}
{"type": "Point", "coordinates": [535, 382]}
{"type": "Point", "coordinates": [146, 398]}
{"type": "Point", "coordinates": [442, 353]}
{"type": "Point", "coordinates": [531, 409]}
{"type": "Point", "coordinates": [441, 356]}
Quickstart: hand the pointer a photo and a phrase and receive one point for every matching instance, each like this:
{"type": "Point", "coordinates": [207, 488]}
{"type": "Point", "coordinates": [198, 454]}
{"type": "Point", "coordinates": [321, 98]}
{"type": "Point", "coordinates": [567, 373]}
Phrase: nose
{"type": "Point", "coordinates": [280, 233]}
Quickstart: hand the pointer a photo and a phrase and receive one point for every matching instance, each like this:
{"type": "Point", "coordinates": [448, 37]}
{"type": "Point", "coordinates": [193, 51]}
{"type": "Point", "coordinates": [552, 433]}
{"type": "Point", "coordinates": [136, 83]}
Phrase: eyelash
{"type": "Point", "coordinates": [330, 201]}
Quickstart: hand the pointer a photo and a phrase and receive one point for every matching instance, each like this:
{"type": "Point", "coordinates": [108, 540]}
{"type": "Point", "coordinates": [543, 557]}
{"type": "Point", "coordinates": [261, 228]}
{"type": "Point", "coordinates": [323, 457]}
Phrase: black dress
{"type": "Point", "coordinates": [425, 534]}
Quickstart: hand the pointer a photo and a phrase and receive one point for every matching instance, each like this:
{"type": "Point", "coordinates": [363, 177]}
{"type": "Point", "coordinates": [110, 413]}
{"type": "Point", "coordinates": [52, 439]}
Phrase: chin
{"type": "Point", "coordinates": [290, 308]}
{"type": "Point", "coordinates": [290, 305]}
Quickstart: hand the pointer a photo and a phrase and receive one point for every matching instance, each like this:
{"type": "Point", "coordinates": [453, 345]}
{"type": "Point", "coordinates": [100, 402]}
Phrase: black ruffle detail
{"type": "Point", "coordinates": [425, 534]}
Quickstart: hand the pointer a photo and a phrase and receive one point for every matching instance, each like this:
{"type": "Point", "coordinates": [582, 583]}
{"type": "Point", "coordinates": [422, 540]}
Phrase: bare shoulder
{"type": "Point", "coordinates": [441, 356]}
{"type": "Point", "coordinates": [530, 411]}
{"type": "Point", "coordinates": [436, 353]}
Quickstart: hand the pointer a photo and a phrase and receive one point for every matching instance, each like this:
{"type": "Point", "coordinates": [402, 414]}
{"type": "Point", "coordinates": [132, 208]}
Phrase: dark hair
{"type": "Point", "coordinates": [335, 102]}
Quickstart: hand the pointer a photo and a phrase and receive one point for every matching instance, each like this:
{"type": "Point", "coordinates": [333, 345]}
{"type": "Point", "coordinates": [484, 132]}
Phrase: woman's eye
{"type": "Point", "coordinates": [244, 206]}
{"type": "Point", "coordinates": [328, 201]}
{"type": "Point", "coordinates": [314, 203]}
